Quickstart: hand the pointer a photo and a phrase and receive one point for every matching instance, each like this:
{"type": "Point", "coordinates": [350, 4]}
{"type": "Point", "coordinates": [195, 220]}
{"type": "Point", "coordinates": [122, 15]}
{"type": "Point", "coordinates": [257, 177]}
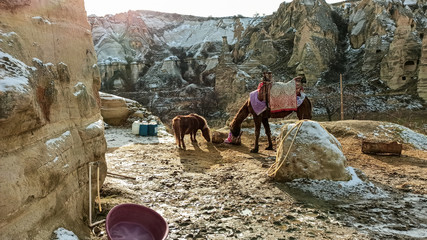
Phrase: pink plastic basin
{"type": "Point", "coordinates": [135, 222]}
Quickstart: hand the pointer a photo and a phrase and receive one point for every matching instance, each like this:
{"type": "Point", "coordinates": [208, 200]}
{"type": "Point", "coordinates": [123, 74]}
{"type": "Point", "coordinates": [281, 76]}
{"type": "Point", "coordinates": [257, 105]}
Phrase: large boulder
{"type": "Point", "coordinates": [114, 109]}
{"type": "Point", "coordinates": [312, 154]}
{"type": "Point", "coordinates": [50, 121]}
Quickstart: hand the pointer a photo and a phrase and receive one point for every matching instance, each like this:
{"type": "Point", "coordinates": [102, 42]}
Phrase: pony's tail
{"type": "Point", "coordinates": [305, 110]}
{"type": "Point", "coordinates": [310, 116]}
{"type": "Point", "coordinates": [176, 128]}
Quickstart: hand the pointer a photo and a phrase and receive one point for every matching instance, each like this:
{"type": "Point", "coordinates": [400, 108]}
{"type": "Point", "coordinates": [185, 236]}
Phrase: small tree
{"type": "Point", "coordinates": [353, 101]}
{"type": "Point", "coordinates": [328, 98]}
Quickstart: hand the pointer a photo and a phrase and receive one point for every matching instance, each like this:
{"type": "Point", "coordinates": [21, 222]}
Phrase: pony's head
{"type": "Point", "coordinates": [202, 125]}
{"type": "Point", "coordinates": [206, 133]}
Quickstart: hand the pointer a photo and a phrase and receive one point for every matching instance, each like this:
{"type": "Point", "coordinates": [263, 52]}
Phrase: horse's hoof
{"type": "Point", "coordinates": [269, 148]}
{"type": "Point", "coordinates": [254, 150]}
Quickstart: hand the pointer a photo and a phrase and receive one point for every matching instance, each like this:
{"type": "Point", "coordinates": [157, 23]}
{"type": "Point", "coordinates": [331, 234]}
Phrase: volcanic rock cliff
{"type": "Point", "coordinates": [174, 63]}
{"type": "Point", "coordinates": [50, 121]}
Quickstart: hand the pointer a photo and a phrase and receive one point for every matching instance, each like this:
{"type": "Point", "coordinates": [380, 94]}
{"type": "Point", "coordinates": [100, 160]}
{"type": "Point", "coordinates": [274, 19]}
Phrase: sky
{"type": "Point", "coordinates": [212, 8]}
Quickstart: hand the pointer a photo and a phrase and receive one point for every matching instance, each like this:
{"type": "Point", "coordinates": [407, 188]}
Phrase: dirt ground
{"type": "Point", "coordinates": [220, 191]}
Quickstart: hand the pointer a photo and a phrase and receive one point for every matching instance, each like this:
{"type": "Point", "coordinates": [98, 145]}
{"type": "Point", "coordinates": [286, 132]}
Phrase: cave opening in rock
{"type": "Point", "coordinates": [410, 66]}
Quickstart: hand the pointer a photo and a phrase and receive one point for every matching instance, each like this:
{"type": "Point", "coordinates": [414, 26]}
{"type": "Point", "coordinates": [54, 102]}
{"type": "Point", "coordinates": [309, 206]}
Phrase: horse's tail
{"type": "Point", "coordinates": [305, 110]}
{"type": "Point", "coordinates": [176, 122]}
{"type": "Point", "coordinates": [311, 108]}
{"type": "Point", "coordinates": [241, 115]}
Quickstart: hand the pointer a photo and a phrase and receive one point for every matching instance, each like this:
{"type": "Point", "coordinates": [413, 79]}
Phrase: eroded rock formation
{"type": "Point", "coordinates": [151, 57]}
{"type": "Point", "coordinates": [422, 85]}
{"type": "Point", "coordinates": [315, 36]}
{"type": "Point", "coordinates": [391, 35]}
{"type": "Point", "coordinates": [50, 121]}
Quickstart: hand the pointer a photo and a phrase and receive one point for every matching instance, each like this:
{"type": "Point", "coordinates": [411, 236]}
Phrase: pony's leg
{"type": "Point", "coordinates": [182, 141]}
{"type": "Point", "coordinates": [178, 141]}
{"type": "Point", "coordinates": [268, 133]}
{"type": "Point", "coordinates": [193, 136]}
{"type": "Point", "coordinates": [257, 121]}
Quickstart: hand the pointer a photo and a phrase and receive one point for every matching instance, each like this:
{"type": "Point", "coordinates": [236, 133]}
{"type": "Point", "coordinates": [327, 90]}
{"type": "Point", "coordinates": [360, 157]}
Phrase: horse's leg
{"type": "Point", "coordinates": [257, 121]}
{"type": "Point", "coordinates": [268, 133]}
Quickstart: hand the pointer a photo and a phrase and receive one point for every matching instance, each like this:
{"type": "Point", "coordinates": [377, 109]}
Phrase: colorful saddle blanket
{"type": "Point", "coordinates": [283, 97]}
{"type": "Point", "coordinates": [257, 105]}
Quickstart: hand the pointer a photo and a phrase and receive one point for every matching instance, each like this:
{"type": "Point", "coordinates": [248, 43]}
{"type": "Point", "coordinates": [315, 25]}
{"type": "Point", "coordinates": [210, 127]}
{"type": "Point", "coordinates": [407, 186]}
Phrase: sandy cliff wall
{"type": "Point", "coordinates": [50, 121]}
{"type": "Point", "coordinates": [422, 85]}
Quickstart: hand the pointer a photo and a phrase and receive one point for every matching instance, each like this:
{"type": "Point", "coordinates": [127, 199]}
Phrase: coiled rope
{"type": "Point", "coordinates": [271, 172]}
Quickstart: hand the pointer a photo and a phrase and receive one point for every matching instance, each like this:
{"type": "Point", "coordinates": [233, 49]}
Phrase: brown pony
{"type": "Point", "coordinates": [189, 124]}
{"type": "Point", "coordinates": [303, 112]}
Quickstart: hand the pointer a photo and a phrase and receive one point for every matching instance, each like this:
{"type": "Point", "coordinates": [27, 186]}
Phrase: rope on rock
{"type": "Point", "coordinates": [271, 172]}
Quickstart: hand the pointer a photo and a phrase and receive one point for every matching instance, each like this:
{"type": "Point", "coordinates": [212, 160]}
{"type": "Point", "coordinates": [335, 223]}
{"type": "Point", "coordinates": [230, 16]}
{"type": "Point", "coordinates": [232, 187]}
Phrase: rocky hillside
{"type": "Point", "coordinates": [50, 121]}
{"type": "Point", "coordinates": [176, 64]}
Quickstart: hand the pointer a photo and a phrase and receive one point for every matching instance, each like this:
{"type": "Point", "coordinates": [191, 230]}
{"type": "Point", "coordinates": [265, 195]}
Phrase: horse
{"type": "Point", "coordinates": [303, 112]}
{"type": "Point", "coordinates": [189, 124]}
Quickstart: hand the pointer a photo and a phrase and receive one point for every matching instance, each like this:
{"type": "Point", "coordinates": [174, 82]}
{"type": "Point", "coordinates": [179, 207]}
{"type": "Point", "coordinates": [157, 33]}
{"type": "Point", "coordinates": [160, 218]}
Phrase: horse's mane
{"type": "Point", "coordinates": [202, 121]}
{"type": "Point", "coordinates": [236, 123]}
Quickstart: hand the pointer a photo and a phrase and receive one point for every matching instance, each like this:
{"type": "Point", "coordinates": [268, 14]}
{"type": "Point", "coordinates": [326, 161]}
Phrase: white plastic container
{"type": "Point", "coordinates": [135, 127]}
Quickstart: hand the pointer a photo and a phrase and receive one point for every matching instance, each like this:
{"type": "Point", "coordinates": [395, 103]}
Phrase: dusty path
{"type": "Point", "coordinates": [222, 192]}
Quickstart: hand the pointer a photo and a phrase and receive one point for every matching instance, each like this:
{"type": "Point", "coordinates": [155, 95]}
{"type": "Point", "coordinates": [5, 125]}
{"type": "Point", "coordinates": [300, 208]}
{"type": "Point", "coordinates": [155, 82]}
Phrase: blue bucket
{"type": "Point", "coordinates": [143, 129]}
{"type": "Point", "coordinates": [152, 129]}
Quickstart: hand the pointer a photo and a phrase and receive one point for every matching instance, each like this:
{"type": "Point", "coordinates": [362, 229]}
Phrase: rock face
{"type": "Point", "coordinates": [391, 35]}
{"type": "Point", "coordinates": [314, 154]}
{"type": "Point", "coordinates": [314, 33]}
{"type": "Point", "coordinates": [136, 40]}
{"type": "Point", "coordinates": [422, 76]}
{"type": "Point", "coordinates": [50, 121]}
